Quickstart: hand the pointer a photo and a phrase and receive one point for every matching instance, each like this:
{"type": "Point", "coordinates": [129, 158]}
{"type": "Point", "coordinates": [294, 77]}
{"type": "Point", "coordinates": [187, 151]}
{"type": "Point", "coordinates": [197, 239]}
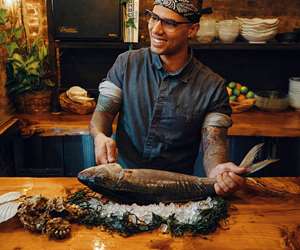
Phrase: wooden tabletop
{"type": "Point", "coordinates": [265, 215]}
{"type": "Point", "coordinates": [252, 123]}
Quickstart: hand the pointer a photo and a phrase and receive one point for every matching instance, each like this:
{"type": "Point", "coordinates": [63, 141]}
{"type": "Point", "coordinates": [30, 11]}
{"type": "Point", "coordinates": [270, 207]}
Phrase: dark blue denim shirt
{"type": "Point", "coordinates": [161, 115]}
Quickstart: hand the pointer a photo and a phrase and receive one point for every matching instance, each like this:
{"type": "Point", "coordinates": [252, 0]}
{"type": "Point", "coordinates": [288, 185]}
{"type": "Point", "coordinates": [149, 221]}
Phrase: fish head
{"type": "Point", "coordinates": [101, 176]}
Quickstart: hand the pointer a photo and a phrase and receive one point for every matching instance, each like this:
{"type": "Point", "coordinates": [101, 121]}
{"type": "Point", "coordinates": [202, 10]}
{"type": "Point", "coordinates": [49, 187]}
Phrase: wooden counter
{"type": "Point", "coordinates": [265, 215]}
{"type": "Point", "coordinates": [253, 123]}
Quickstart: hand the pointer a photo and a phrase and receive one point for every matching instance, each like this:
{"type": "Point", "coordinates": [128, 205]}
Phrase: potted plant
{"type": "Point", "coordinates": [28, 77]}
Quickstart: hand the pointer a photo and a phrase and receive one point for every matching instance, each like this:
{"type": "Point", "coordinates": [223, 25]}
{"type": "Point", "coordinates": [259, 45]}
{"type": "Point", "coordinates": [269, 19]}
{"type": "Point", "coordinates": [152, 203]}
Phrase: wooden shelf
{"type": "Point", "coordinates": [194, 45]}
{"type": "Point", "coordinates": [246, 46]}
{"type": "Point", "coordinates": [252, 123]}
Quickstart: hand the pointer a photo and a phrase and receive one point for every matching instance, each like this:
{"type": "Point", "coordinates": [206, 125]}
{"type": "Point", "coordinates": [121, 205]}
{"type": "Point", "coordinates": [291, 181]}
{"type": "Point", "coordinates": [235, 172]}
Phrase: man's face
{"type": "Point", "coordinates": [166, 40]}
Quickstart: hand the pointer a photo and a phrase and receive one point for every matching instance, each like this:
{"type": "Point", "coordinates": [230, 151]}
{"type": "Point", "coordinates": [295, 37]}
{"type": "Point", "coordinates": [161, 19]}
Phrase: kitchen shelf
{"type": "Point", "coordinates": [194, 45]}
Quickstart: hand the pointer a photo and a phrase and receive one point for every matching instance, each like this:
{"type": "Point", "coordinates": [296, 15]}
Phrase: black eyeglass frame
{"type": "Point", "coordinates": [171, 22]}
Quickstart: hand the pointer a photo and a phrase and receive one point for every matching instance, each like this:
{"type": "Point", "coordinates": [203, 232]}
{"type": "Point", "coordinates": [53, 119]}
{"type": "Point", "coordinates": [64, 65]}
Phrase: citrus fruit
{"type": "Point", "coordinates": [231, 85]}
{"type": "Point", "coordinates": [250, 94]}
{"type": "Point", "coordinates": [236, 92]}
{"type": "Point", "coordinates": [244, 90]}
{"type": "Point", "coordinates": [238, 86]}
{"type": "Point", "coordinates": [229, 91]}
{"type": "Point", "coordinates": [232, 98]}
{"type": "Point", "coordinates": [241, 98]}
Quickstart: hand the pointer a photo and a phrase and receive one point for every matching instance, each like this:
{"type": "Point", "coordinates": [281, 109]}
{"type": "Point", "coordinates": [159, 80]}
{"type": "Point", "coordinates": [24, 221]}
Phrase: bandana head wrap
{"type": "Point", "coordinates": [184, 8]}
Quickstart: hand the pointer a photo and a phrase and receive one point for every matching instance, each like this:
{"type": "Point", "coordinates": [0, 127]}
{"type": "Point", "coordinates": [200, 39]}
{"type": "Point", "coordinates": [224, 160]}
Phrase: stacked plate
{"type": "Point", "coordinates": [258, 30]}
{"type": "Point", "coordinates": [294, 92]}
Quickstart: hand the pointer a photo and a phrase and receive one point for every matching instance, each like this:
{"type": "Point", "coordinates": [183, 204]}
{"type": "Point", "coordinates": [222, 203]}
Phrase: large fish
{"type": "Point", "coordinates": [146, 186]}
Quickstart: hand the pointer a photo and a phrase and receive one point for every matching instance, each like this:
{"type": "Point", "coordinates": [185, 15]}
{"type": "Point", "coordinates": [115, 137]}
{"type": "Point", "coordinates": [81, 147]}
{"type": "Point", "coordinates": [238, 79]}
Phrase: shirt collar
{"type": "Point", "coordinates": [183, 73]}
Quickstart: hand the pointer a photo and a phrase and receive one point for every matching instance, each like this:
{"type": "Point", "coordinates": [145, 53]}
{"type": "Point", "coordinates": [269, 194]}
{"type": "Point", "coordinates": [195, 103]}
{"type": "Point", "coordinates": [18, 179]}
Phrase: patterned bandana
{"type": "Point", "coordinates": [183, 7]}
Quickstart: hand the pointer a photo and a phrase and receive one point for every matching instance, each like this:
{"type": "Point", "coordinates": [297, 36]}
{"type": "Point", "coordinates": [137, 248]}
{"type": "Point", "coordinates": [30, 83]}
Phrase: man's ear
{"type": "Point", "coordinates": [193, 30]}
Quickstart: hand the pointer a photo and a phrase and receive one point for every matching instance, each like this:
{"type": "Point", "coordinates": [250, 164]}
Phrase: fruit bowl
{"type": "Point", "coordinates": [242, 106]}
{"type": "Point", "coordinates": [240, 97]}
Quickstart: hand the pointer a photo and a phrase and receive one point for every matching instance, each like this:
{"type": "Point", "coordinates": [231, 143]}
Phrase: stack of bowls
{"type": "Point", "coordinates": [258, 30]}
{"type": "Point", "coordinates": [294, 92]}
{"type": "Point", "coordinates": [207, 31]}
{"type": "Point", "coordinates": [228, 30]}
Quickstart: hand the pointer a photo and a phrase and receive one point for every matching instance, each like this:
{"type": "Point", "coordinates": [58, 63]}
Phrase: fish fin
{"type": "Point", "coordinates": [251, 155]}
{"type": "Point", "coordinates": [260, 165]}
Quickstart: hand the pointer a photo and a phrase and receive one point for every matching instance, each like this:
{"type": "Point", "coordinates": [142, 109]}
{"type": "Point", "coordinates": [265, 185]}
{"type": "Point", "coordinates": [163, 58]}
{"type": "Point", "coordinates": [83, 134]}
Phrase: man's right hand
{"type": "Point", "coordinates": [105, 149]}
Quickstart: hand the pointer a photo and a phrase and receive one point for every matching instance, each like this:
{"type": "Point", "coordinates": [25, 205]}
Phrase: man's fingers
{"type": "Point", "coordinates": [222, 184]}
{"type": "Point", "coordinates": [111, 151]}
{"type": "Point", "coordinates": [228, 181]}
{"type": "Point", "coordinates": [219, 190]}
{"type": "Point", "coordinates": [101, 154]}
{"type": "Point", "coordinates": [231, 167]}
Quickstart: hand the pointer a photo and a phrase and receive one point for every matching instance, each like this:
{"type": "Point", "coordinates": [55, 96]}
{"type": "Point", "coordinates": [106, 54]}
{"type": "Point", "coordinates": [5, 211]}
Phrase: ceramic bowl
{"type": "Point", "coordinates": [256, 21]}
{"type": "Point", "coordinates": [271, 100]}
{"type": "Point", "coordinates": [227, 37]}
{"type": "Point", "coordinates": [207, 31]}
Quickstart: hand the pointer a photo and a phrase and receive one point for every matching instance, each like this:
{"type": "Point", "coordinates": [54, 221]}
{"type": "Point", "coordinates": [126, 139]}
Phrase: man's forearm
{"type": "Point", "coordinates": [215, 148]}
{"type": "Point", "coordinates": [101, 123]}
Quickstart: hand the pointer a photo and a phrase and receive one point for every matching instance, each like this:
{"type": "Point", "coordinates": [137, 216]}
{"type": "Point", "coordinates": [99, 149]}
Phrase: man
{"type": "Point", "coordinates": [168, 102]}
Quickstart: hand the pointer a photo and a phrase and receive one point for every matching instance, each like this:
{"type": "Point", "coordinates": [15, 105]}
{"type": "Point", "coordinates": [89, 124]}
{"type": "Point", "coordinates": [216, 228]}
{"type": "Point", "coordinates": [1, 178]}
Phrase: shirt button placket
{"type": "Point", "coordinates": [149, 148]}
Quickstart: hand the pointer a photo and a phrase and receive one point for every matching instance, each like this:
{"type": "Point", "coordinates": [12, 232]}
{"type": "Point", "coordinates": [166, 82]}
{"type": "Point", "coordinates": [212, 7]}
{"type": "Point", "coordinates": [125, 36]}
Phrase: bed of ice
{"type": "Point", "coordinates": [186, 213]}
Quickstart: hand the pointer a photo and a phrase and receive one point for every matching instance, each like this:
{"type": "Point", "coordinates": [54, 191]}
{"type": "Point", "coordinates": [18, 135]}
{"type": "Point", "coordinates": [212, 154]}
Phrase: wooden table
{"type": "Point", "coordinates": [265, 215]}
{"type": "Point", "coordinates": [252, 123]}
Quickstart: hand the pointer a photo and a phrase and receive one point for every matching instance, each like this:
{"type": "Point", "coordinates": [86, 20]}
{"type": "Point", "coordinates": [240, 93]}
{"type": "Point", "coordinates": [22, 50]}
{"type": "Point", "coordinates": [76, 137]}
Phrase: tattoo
{"type": "Point", "coordinates": [215, 148]}
{"type": "Point", "coordinates": [106, 104]}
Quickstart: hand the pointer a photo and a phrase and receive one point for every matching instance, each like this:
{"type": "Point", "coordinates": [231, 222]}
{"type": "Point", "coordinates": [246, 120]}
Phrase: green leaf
{"type": "Point", "coordinates": [11, 47]}
{"type": "Point", "coordinates": [3, 16]}
{"type": "Point", "coordinates": [18, 32]}
{"type": "Point", "coordinates": [130, 23]}
{"type": "Point", "coordinates": [33, 66]}
{"type": "Point", "coordinates": [3, 37]}
{"type": "Point", "coordinates": [49, 83]}
{"type": "Point", "coordinates": [18, 58]}
{"type": "Point", "coordinates": [43, 52]}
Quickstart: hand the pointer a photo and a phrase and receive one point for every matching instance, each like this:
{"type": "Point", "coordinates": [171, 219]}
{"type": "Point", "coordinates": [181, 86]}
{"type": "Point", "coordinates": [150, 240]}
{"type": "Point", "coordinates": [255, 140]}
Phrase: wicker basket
{"type": "Point", "coordinates": [242, 106]}
{"type": "Point", "coordinates": [78, 108]}
{"type": "Point", "coordinates": [34, 102]}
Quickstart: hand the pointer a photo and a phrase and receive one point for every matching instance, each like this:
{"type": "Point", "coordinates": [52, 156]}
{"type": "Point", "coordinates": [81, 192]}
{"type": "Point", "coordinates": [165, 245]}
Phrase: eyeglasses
{"type": "Point", "coordinates": [167, 24]}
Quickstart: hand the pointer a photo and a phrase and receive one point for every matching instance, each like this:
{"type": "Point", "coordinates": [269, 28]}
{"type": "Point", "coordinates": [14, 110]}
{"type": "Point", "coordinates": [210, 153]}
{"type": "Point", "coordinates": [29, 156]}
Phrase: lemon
{"type": "Point", "coordinates": [232, 85]}
{"type": "Point", "coordinates": [250, 94]}
{"type": "Point", "coordinates": [244, 90]}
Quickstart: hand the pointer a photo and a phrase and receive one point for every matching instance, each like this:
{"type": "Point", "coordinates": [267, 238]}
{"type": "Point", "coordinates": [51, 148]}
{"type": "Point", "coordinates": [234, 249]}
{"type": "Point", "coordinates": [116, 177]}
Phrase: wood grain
{"type": "Point", "coordinates": [265, 215]}
{"type": "Point", "coordinates": [251, 123]}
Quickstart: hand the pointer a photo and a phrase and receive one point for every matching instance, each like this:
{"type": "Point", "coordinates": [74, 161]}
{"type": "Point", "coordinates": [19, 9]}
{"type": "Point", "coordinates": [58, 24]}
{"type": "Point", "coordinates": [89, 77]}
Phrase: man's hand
{"type": "Point", "coordinates": [105, 149]}
{"type": "Point", "coordinates": [228, 179]}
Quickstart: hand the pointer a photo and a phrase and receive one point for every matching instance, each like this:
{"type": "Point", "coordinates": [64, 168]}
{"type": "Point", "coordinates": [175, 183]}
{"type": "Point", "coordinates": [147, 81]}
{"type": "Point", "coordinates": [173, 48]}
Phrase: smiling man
{"type": "Point", "coordinates": [168, 103]}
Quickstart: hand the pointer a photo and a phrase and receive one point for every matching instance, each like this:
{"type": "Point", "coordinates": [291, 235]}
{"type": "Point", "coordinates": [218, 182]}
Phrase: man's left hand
{"type": "Point", "coordinates": [228, 178]}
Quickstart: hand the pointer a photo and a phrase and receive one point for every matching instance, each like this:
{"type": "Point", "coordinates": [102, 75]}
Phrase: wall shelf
{"type": "Point", "coordinates": [194, 45]}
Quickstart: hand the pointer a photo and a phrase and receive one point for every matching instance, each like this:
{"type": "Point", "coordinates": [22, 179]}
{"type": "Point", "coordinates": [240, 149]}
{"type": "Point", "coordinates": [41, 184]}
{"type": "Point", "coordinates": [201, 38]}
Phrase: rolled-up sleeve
{"type": "Point", "coordinates": [219, 111]}
{"type": "Point", "coordinates": [110, 90]}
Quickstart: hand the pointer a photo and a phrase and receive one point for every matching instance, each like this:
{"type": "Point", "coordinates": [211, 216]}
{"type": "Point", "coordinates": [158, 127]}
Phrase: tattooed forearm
{"type": "Point", "coordinates": [215, 148]}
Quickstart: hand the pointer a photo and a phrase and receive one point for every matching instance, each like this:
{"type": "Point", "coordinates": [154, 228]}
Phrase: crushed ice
{"type": "Point", "coordinates": [187, 213]}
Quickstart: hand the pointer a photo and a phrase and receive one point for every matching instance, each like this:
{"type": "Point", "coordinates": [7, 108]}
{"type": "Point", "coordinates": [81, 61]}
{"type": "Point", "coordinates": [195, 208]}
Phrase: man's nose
{"type": "Point", "coordinates": [157, 27]}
